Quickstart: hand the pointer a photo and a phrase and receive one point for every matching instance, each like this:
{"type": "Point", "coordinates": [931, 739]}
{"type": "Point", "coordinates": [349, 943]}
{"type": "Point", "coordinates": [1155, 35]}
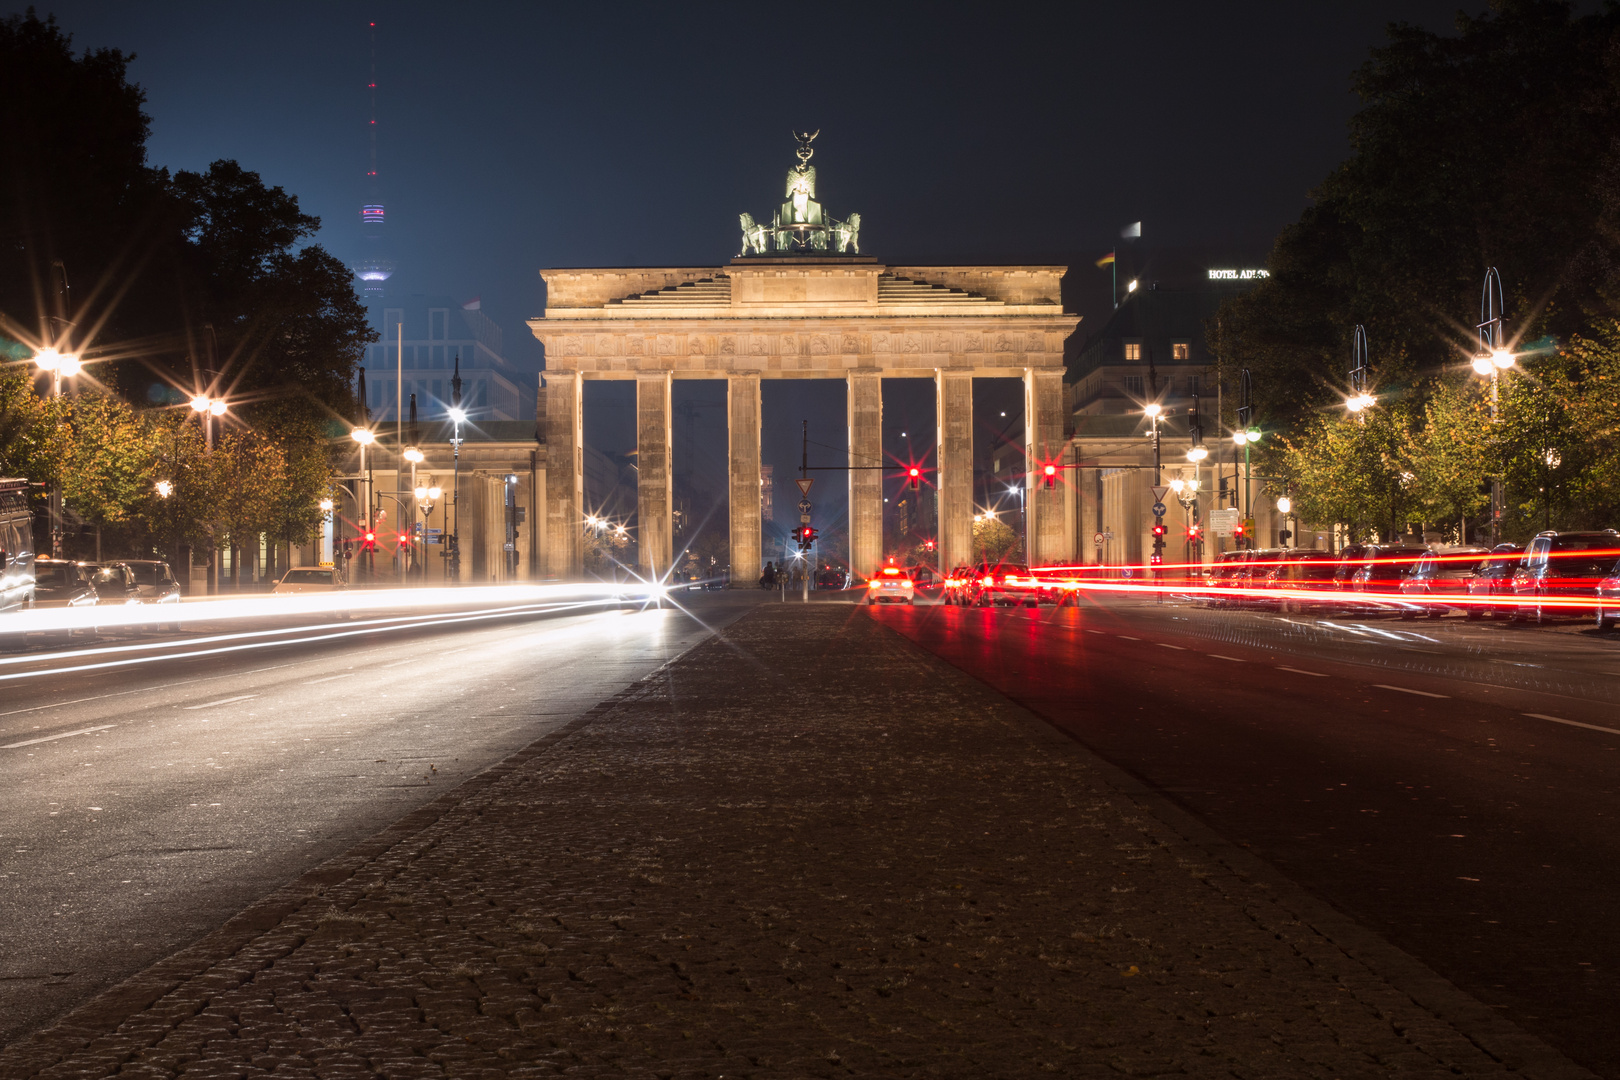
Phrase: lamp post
{"type": "Point", "coordinates": [1285, 507]}
{"type": "Point", "coordinates": [1154, 411]}
{"type": "Point", "coordinates": [1246, 435]}
{"type": "Point", "coordinates": [365, 438]}
{"type": "Point", "coordinates": [326, 508]}
{"type": "Point", "coordinates": [58, 365]}
{"type": "Point", "coordinates": [1490, 361]}
{"type": "Point", "coordinates": [458, 416]}
{"type": "Point", "coordinates": [1359, 400]}
{"type": "Point", "coordinates": [207, 408]}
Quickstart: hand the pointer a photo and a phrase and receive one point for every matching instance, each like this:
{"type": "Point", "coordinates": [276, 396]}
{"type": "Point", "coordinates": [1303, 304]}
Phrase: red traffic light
{"type": "Point", "coordinates": [1193, 532]}
{"type": "Point", "coordinates": [1051, 475]}
{"type": "Point", "coordinates": [915, 474]}
{"type": "Point", "coordinates": [929, 544]}
{"type": "Point", "coordinates": [1158, 530]}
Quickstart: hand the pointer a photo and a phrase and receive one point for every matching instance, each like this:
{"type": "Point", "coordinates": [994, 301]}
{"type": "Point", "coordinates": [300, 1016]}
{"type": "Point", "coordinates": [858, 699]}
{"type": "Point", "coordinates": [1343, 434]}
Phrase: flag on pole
{"type": "Point", "coordinates": [1133, 231]}
{"type": "Point", "coordinates": [1105, 260]}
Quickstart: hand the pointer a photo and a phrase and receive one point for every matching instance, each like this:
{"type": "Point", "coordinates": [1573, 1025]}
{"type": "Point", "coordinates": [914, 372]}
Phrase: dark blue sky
{"type": "Point", "coordinates": [516, 136]}
{"type": "Point", "coordinates": [519, 136]}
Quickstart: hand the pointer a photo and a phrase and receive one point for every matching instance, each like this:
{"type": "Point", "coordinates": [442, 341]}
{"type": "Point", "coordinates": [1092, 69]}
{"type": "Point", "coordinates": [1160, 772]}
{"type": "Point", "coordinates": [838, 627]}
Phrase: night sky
{"type": "Point", "coordinates": [519, 136]}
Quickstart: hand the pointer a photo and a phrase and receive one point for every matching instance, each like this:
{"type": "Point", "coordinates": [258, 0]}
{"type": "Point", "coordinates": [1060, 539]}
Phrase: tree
{"type": "Point", "coordinates": [994, 540]}
{"type": "Point", "coordinates": [1354, 470]}
{"type": "Point", "coordinates": [1499, 146]}
{"type": "Point", "coordinates": [1451, 453]}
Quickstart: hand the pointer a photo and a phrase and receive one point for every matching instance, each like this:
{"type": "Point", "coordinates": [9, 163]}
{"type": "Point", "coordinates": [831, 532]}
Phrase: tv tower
{"type": "Point", "coordinates": [374, 267]}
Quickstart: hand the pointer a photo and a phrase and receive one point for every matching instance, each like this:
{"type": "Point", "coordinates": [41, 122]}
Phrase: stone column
{"type": "Point", "coordinates": [655, 498]}
{"type": "Point", "coordinates": [865, 399]}
{"type": "Point", "coordinates": [742, 436]}
{"type": "Point", "coordinates": [1043, 435]}
{"type": "Point", "coordinates": [953, 408]}
{"type": "Point", "coordinates": [565, 476]}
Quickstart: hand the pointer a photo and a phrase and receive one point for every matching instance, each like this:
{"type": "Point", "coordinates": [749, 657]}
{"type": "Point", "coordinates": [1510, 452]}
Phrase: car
{"type": "Point", "coordinates": [891, 585]}
{"type": "Point", "coordinates": [114, 583]}
{"type": "Point", "coordinates": [922, 576]}
{"type": "Point", "coordinates": [1300, 571]}
{"type": "Point", "coordinates": [1006, 584]}
{"type": "Point", "coordinates": [1439, 577]}
{"type": "Point", "coordinates": [16, 546]}
{"type": "Point", "coordinates": [1562, 567]}
{"type": "Point", "coordinates": [955, 586]}
{"type": "Point", "coordinates": [309, 579]}
{"type": "Point", "coordinates": [63, 583]}
{"type": "Point", "coordinates": [156, 584]}
{"type": "Point", "coordinates": [830, 577]}
{"type": "Point", "coordinates": [1608, 599]}
{"type": "Point", "coordinates": [1493, 578]}
{"type": "Point", "coordinates": [1377, 581]}
{"type": "Point", "coordinates": [1252, 572]}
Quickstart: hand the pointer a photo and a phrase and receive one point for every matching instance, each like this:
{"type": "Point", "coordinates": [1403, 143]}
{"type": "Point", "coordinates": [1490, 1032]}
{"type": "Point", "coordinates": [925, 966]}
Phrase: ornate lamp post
{"type": "Point", "coordinates": [458, 416]}
{"type": "Point", "coordinates": [1492, 359]}
{"type": "Point", "coordinates": [365, 438]}
{"type": "Point", "coordinates": [1359, 400]}
{"type": "Point", "coordinates": [58, 365]}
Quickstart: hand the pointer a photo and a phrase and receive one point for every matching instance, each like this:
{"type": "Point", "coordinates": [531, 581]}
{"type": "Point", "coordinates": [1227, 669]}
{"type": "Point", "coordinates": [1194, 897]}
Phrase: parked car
{"type": "Point", "coordinates": [309, 579]}
{"type": "Point", "coordinates": [1377, 582]}
{"type": "Point", "coordinates": [1563, 567]}
{"type": "Point", "coordinates": [1301, 571]}
{"type": "Point", "coordinates": [1439, 577]}
{"type": "Point", "coordinates": [1252, 572]}
{"type": "Point", "coordinates": [1493, 578]}
{"type": "Point", "coordinates": [890, 585]}
{"type": "Point", "coordinates": [1224, 575]}
{"type": "Point", "coordinates": [1608, 598]}
{"type": "Point", "coordinates": [830, 577]}
{"type": "Point", "coordinates": [114, 583]}
{"type": "Point", "coordinates": [63, 583]}
{"type": "Point", "coordinates": [156, 584]}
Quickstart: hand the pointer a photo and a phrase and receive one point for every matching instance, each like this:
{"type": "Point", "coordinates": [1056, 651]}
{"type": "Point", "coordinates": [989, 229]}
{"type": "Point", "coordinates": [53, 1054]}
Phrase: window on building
{"type": "Point", "coordinates": [1180, 350]}
{"type": "Point", "coordinates": [439, 323]}
{"type": "Point", "coordinates": [1133, 384]}
{"type": "Point", "coordinates": [392, 317]}
{"type": "Point", "coordinates": [483, 393]}
{"type": "Point", "coordinates": [1133, 351]}
{"type": "Point", "coordinates": [1192, 385]}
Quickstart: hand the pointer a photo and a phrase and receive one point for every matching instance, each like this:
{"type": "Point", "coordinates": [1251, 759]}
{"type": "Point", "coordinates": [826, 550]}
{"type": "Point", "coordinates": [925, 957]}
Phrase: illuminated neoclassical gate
{"type": "Point", "coordinates": [800, 305]}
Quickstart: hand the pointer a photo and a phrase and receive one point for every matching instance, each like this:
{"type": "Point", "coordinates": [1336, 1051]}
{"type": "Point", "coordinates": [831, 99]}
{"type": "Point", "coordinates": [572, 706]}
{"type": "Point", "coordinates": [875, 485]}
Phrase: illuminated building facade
{"type": "Point", "coordinates": [417, 354]}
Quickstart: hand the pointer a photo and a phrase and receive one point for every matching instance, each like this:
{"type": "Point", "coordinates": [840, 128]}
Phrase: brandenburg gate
{"type": "Point", "coordinates": [800, 303]}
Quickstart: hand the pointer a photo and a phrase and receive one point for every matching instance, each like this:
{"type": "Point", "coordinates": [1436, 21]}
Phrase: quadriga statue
{"type": "Point", "coordinates": [847, 235]}
{"type": "Point", "coordinates": [755, 237]}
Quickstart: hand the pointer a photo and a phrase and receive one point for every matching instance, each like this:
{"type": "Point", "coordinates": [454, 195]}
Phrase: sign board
{"type": "Point", "coordinates": [804, 485]}
{"type": "Point", "coordinates": [804, 506]}
{"type": "Point", "coordinates": [1098, 539]}
{"type": "Point", "coordinates": [435, 532]}
{"type": "Point", "coordinates": [434, 538]}
{"type": "Point", "coordinates": [1223, 522]}
{"type": "Point", "coordinates": [1159, 493]}
{"type": "Point", "coordinates": [804, 519]}
{"type": "Point", "coordinates": [1158, 509]}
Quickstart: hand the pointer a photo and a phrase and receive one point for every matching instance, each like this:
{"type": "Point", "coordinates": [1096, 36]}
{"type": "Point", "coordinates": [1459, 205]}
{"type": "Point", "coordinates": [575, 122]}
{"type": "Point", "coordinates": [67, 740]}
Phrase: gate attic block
{"type": "Point", "coordinates": [802, 317]}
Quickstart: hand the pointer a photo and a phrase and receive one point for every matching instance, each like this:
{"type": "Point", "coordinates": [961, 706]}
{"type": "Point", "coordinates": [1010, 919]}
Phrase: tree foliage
{"type": "Point", "coordinates": [1496, 146]}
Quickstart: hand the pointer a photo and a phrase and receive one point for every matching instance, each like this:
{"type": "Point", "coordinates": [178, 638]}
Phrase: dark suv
{"type": "Point", "coordinates": [1563, 568]}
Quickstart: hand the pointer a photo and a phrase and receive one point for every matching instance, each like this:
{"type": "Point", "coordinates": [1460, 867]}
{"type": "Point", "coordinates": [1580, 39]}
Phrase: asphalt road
{"type": "Point", "coordinates": [149, 792]}
{"type": "Point", "coordinates": [1425, 777]}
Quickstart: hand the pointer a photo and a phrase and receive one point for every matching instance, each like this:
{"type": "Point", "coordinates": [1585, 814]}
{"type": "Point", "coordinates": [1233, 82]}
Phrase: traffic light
{"type": "Point", "coordinates": [1194, 532]}
{"type": "Point", "coordinates": [1284, 535]}
{"type": "Point", "coordinates": [1051, 476]}
{"type": "Point", "coordinates": [929, 544]}
{"type": "Point", "coordinates": [404, 541]}
{"type": "Point", "coordinates": [1238, 532]}
{"type": "Point", "coordinates": [916, 476]}
{"type": "Point", "coordinates": [1158, 529]}
{"type": "Point", "coordinates": [369, 541]}
{"type": "Point", "coordinates": [806, 536]}
{"type": "Point", "coordinates": [1157, 560]}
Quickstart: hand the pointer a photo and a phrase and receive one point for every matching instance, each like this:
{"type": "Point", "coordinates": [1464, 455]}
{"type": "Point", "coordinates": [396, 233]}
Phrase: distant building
{"type": "Point", "coordinates": [1159, 324]}
{"type": "Point", "coordinates": [767, 495]}
{"type": "Point", "coordinates": [418, 348]}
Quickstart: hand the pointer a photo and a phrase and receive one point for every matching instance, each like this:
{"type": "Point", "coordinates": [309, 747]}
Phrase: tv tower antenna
{"type": "Point", "coordinates": [374, 267]}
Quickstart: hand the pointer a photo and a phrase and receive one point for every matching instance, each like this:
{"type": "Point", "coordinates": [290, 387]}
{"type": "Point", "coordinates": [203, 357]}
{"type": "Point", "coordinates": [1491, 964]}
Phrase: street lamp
{"type": "Point", "coordinates": [164, 489]}
{"type": "Point", "coordinates": [1359, 400]}
{"type": "Point", "coordinates": [1492, 359]}
{"type": "Point", "coordinates": [58, 365]}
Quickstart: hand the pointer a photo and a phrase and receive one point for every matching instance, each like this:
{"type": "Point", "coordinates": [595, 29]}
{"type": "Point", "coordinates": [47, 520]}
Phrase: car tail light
{"type": "Point", "coordinates": [987, 581]}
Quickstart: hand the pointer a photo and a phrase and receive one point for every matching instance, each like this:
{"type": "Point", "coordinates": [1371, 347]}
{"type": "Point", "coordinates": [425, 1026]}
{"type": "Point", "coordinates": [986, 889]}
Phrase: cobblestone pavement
{"type": "Point", "coordinates": [804, 849]}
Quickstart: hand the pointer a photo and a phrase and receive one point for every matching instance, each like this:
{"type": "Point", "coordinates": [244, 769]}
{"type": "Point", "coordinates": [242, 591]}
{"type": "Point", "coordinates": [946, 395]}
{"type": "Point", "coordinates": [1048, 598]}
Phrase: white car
{"type": "Point", "coordinates": [309, 579]}
{"type": "Point", "coordinates": [891, 585]}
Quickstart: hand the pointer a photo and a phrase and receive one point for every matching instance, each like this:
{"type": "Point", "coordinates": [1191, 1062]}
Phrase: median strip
{"type": "Point", "coordinates": [1573, 723]}
{"type": "Point", "coordinates": [1408, 690]}
{"type": "Point", "coordinates": [53, 738]}
{"type": "Point", "coordinates": [221, 701]}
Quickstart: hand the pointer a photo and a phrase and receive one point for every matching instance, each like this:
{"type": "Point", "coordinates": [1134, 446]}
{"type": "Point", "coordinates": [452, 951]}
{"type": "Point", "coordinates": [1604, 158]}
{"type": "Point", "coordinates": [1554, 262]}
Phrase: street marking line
{"type": "Point", "coordinates": [221, 701]}
{"type": "Point", "coordinates": [53, 738]}
{"type": "Point", "coordinates": [1299, 671]}
{"type": "Point", "coordinates": [1128, 637]}
{"type": "Point", "coordinates": [59, 704]}
{"type": "Point", "coordinates": [1573, 723]}
{"type": "Point", "coordinates": [1234, 659]}
{"type": "Point", "coordinates": [1096, 632]}
{"type": "Point", "coordinates": [1162, 645]}
{"type": "Point", "coordinates": [329, 678]}
{"type": "Point", "coordinates": [1408, 690]}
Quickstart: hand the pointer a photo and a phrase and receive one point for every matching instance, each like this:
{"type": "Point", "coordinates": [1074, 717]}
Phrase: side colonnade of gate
{"type": "Point", "coordinates": [800, 318]}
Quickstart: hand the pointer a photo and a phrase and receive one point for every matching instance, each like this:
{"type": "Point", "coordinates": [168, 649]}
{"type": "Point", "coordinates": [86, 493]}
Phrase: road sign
{"type": "Point", "coordinates": [435, 532]}
{"type": "Point", "coordinates": [1098, 539]}
{"type": "Point", "coordinates": [804, 506]}
{"type": "Point", "coordinates": [1159, 493]}
{"type": "Point", "coordinates": [1158, 509]}
{"type": "Point", "coordinates": [804, 519]}
{"type": "Point", "coordinates": [804, 485]}
{"type": "Point", "coordinates": [1224, 521]}
{"type": "Point", "coordinates": [434, 538]}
